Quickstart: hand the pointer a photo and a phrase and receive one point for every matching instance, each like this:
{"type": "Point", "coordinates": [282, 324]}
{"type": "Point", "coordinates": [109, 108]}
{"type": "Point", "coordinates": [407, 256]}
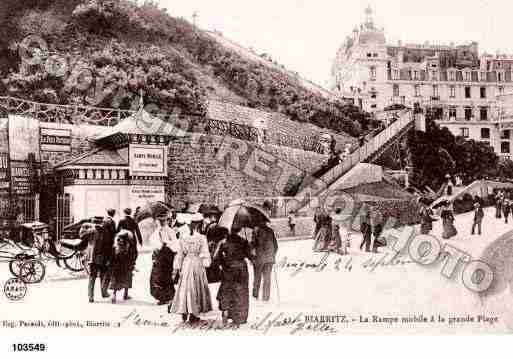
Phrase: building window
{"type": "Point", "coordinates": [375, 54]}
{"type": "Point", "coordinates": [464, 132]}
{"type": "Point", "coordinates": [505, 135]}
{"type": "Point", "coordinates": [415, 75]}
{"type": "Point", "coordinates": [483, 76]}
{"type": "Point", "coordinates": [452, 76]}
{"type": "Point", "coordinates": [435, 90]}
{"type": "Point", "coordinates": [396, 90]}
{"type": "Point", "coordinates": [369, 54]}
{"type": "Point", "coordinates": [468, 113]}
{"type": "Point", "coordinates": [485, 132]}
{"type": "Point", "coordinates": [468, 76]}
{"type": "Point", "coordinates": [417, 90]}
{"type": "Point", "coordinates": [483, 113]}
{"type": "Point", "coordinates": [499, 76]}
{"type": "Point", "coordinates": [467, 92]}
{"type": "Point", "coordinates": [374, 105]}
{"type": "Point", "coordinates": [505, 147]}
{"type": "Point", "coordinates": [373, 73]}
{"type": "Point", "coordinates": [501, 90]}
{"type": "Point", "coordinates": [482, 92]}
{"type": "Point", "coordinates": [452, 91]}
{"type": "Point", "coordinates": [373, 93]}
{"type": "Point", "coordinates": [452, 113]}
{"type": "Point", "coordinates": [434, 75]}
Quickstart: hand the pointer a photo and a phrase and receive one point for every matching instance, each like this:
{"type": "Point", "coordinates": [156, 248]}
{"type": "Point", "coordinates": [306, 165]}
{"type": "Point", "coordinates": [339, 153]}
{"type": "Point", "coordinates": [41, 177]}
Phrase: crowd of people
{"type": "Point", "coordinates": [332, 234]}
{"type": "Point", "coordinates": [503, 209]}
{"type": "Point", "coordinates": [191, 252]}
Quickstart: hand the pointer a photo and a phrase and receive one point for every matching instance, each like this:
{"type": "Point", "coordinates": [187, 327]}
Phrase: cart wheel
{"type": "Point", "coordinates": [15, 267]}
{"type": "Point", "coordinates": [76, 263]}
{"type": "Point", "coordinates": [32, 271]}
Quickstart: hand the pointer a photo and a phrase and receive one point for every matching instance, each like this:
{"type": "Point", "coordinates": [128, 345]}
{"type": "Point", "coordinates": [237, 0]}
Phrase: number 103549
{"type": "Point", "coordinates": [28, 347]}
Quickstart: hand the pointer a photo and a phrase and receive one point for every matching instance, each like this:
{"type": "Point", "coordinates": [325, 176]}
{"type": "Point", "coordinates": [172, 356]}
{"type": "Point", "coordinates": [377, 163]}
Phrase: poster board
{"type": "Point", "coordinates": [148, 160]}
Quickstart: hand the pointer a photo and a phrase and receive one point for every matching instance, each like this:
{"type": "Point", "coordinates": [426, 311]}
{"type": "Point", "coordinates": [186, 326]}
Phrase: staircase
{"type": "Point", "coordinates": [369, 152]}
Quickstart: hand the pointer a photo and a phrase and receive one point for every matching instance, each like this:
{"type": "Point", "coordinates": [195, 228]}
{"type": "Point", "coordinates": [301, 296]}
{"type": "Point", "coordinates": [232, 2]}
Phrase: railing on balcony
{"type": "Point", "coordinates": [80, 114]}
{"type": "Point", "coordinates": [67, 114]}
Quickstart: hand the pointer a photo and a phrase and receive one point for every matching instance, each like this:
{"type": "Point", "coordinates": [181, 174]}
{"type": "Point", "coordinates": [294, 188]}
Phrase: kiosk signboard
{"type": "Point", "coordinates": [148, 160]}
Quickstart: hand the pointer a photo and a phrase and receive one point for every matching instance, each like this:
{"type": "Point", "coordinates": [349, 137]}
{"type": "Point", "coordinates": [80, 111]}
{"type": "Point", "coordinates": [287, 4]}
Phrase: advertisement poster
{"type": "Point", "coordinates": [55, 140]}
{"type": "Point", "coordinates": [23, 138]}
{"type": "Point", "coordinates": [148, 160]}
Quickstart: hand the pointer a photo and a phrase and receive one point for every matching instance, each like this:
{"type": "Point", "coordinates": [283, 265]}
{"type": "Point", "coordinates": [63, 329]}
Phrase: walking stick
{"type": "Point", "coordinates": [276, 281]}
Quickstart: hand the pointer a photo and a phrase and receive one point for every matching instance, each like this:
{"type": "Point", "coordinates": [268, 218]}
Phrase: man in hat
{"type": "Point", "coordinates": [478, 217]}
{"type": "Point", "coordinates": [265, 245]}
{"type": "Point", "coordinates": [94, 256]}
{"type": "Point", "coordinates": [109, 233]}
{"type": "Point", "coordinates": [130, 225]}
{"type": "Point", "coordinates": [366, 228]}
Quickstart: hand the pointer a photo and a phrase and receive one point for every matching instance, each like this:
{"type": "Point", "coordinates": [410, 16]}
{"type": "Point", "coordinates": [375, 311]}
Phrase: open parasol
{"type": "Point", "coordinates": [242, 214]}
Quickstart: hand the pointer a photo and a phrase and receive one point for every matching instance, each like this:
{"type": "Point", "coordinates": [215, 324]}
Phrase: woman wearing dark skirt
{"type": "Point", "coordinates": [449, 230]}
{"type": "Point", "coordinates": [233, 294]}
{"type": "Point", "coordinates": [161, 279]}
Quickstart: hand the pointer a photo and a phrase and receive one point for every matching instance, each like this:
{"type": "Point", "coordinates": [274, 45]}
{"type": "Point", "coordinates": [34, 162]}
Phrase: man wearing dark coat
{"type": "Point", "coordinates": [109, 233]}
{"type": "Point", "coordinates": [265, 245]}
{"type": "Point", "coordinates": [366, 229]}
{"type": "Point", "coordinates": [92, 238]}
{"type": "Point", "coordinates": [131, 225]}
{"type": "Point", "coordinates": [478, 218]}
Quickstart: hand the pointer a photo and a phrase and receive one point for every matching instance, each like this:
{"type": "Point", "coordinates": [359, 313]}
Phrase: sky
{"type": "Point", "coordinates": [304, 35]}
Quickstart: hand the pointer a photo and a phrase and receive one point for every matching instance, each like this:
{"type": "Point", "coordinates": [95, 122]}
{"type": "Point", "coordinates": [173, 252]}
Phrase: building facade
{"type": "Point", "coordinates": [465, 91]}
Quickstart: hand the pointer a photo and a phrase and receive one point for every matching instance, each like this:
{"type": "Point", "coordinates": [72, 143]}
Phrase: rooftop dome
{"type": "Point", "coordinates": [372, 37]}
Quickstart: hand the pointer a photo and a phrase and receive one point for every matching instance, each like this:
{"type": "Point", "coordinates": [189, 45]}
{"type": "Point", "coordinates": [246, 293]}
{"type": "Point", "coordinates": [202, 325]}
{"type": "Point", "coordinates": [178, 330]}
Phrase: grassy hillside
{"type": "Point", "coordinates": [115, 48]}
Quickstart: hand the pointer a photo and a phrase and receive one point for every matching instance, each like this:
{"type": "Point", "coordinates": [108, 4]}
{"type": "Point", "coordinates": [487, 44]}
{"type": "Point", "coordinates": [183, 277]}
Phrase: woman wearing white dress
{"type": "Point", "coordinates": [192, 294]}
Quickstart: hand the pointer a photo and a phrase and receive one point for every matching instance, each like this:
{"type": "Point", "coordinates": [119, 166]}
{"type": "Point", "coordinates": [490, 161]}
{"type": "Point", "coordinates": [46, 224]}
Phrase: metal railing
{"type": "Point", "coordinates": [368, 149]}
{"type": "Point", "coordinates": [376, 144]}
{"type": "Point", "coordinates": [67, 114]}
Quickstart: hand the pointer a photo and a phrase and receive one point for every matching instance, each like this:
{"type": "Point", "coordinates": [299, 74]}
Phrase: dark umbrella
{"type": "Point", "coordinates": [499, 256]}
{"type": "Point", "coordinates": [152, 209]}
{"type": "Point", "coordinates": [242, 215]}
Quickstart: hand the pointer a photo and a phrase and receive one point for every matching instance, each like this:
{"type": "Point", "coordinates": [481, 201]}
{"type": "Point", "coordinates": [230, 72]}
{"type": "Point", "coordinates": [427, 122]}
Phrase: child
{"type": "Point", "coordinates": [122, 264]}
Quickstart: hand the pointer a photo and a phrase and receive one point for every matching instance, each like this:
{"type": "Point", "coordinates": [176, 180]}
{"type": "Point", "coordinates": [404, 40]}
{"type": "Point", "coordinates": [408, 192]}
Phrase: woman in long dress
{"type": "Point", "coordinates": [122, 265]}
{"type": "Point", "coordinates": [323, 234]}
{"type": "Point", "coordinates": [233, 294]}
{"type": "Point", "coordinates": [192, 295]}
{"type": "Point", "coordinates": [448, 222]}
{"type": "Point", "coordinates": [426, 219]}
{"type": "Point", "coordinates": [161, 280]}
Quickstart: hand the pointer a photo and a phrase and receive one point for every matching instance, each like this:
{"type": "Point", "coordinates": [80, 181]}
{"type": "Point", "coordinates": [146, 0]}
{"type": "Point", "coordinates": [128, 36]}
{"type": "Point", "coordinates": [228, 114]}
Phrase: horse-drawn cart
{"type": "Point", "coordinates": [30, 245]}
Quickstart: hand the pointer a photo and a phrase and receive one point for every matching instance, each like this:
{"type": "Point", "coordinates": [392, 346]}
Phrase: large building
{"type": "Point", "coordinates": [466, 91]}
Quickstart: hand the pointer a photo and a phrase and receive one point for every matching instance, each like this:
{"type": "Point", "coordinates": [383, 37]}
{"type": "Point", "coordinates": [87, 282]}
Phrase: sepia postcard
{"type": "Point", "coordinates": [255, 168]}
